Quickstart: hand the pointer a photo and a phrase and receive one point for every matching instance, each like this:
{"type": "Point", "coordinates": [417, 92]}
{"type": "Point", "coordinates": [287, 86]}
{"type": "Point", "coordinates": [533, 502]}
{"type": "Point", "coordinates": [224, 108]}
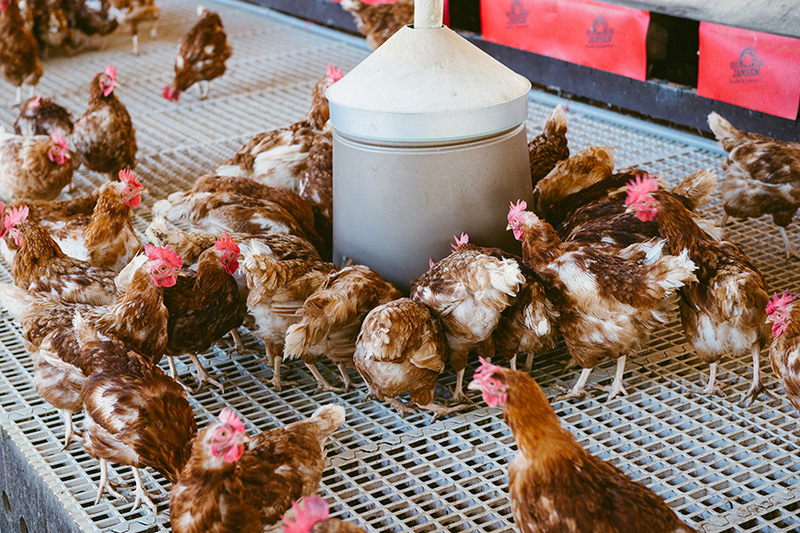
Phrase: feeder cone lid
{"type": "Point", "coordinates": [428, 84]}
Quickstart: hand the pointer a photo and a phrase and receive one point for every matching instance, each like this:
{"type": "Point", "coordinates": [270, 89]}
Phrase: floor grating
{"type": "Point", "coordinates": [721, 467]}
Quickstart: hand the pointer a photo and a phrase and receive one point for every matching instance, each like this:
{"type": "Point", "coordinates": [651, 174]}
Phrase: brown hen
{"type": "Point", "coordinates": [467, 291]}
{"type": "Point", "coordinates": [42, 116]}
{"type": "Point", "coordinates": [554, 484]}
{"type": "Point", "coordinates": [402, 348]}
{"type": "Point", "coordinates": [135, 414]}
{"type": "Point", "coordinates": [234, 482]}
{"type": "Point", "coordinates": [103, 136]}
{"type": "Point", "coordinates": [608, 302]}
{"type": "Point", "coordinates": [331, 318]}
{"type": "Point", "coordinates": [40, 266]}
{"type": "Point", "coordinates": [762, 177]}
{"type": "Point", "coordinates": [201, 56]}
{"type": "Point", "coordinates": [33, 168]}
{"type": "Point", "coordinates": [277, 291]}
{"type": "Point", "coordinates": [784, 353]}
{"type": "Point", "coordinates": [550, 147]}
{"type": "Point", "coordinates": [313, 517]}
{"type": "Point", "coordinates": [723, 311]}
{"type": "Point", "coordinates": [133, 13]}
{"type": "Point", "coordinates": [204, 305]}
{"type": "Point", "coordinates": [378, 22]}
{"type": "Point", "coordinates": [19, 51]}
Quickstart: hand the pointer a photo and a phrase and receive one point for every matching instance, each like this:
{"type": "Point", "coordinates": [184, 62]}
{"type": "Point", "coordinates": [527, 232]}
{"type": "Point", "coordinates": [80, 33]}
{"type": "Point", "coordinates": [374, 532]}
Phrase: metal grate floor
{"type": "Point", "coordinates": [723, 468]}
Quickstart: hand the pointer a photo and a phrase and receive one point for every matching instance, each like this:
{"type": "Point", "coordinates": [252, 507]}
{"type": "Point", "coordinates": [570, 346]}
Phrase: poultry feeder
{"type": "Point", "coordinates": [429, 141]}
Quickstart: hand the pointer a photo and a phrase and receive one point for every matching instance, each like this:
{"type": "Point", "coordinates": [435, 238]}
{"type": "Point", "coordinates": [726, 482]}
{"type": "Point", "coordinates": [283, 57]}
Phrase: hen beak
{"type": "Point", "coordinates": [474, 385]}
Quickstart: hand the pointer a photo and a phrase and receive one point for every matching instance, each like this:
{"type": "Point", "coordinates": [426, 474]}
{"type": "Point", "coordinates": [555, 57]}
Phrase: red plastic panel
{"type": "Point", "coordinates": [750, 69]}
{"type": "Point", "coordinates": [594, 34]}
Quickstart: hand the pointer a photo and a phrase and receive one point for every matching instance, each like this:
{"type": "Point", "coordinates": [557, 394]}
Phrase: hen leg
{"type": "Point", "coordinates": [276, 369]}
{"type": "Point", "coordinates": [787, 246]}
{"type": "Point", "coordinates": [237, 341]}
{"type": "Point", "coordinates": [458, 390]}
{"type": "Point", "coordinates": [712, 386]}
{"type": "Point", "coordinates": [529, 363]}
{"type": "Point", "coordinates": [203, 376]}
{"type": "Point", "coordinates": [512, 364]}
{"type": "Point", "coordinates": [579, 390]}
{"type": "Point", "coordinates": [723, 220]}
{"type": "Point", "coordinates": [756, 387]}
{"type": "Point", "coordinates": [32, 90]}
{"type": "Point", "coordinates": [69, 429]}
{"type": "Point", "coordinates": [18, 100]}
{"type": "Point", "coordinates": [154, 30]}
{"type": "Point", "coordinates": [348, 383]}
{"type": "Point", "coordinates": [173, 370]}
{"type": "Point", "coordinates": [105, 485]}
{"type": "Point", "coordinates": [135, 44]}
{"type": "Point", "coordinates": [204, 86]}
{"type": "Point", "coordinates": [322, 383]}
{"type": "Point", "coordinates": [617, 386]}
{"type": "Point", "coordinates": [141, 494]}
{"type": "Point", "coordinates": [572, 363]}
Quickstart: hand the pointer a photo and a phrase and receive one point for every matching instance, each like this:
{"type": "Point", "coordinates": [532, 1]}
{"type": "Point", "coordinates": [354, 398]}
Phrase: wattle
{"type": "Point", "coordinates": [778, 329]}
{"type": "Point", "coordinates": [167, 282]}
{"type": "Point", "coordinates": [233, 453]}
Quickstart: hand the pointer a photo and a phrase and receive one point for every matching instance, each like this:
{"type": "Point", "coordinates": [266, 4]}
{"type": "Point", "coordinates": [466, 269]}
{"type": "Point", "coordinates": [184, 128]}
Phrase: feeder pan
{"type": "Point", "coordinates": [429, 141]}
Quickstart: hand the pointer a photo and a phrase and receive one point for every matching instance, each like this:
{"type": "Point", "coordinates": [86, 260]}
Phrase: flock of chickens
{"type": "Point", "coordinates": [607, 257]}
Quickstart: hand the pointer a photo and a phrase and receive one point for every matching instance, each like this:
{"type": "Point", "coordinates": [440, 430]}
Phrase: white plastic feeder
{"type": "Point", "coordinates": [428, 141]}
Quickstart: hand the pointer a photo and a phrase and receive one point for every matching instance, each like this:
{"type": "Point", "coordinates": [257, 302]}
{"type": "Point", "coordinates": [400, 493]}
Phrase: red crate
{"type": "Point", "coordinates": [594, 34]}
{"type": "Point", "coordinates": [755, 70]}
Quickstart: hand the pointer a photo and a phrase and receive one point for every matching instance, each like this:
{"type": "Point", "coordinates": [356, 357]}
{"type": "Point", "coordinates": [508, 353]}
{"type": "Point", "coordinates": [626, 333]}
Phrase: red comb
{"type": "Point", "coordinates": [155, 253]}
{"type": "Point", "coordinates": [641, 185]}
{"type": "Point", "coordinates": [780, 301]}
{"type": "Point", "coordinates": [36, 101]}
{"type": "Point", "coordinates": [59, 139]}
{"type": "Point", "coordinates": [226, 242]}
{"type": "Point", "coordinates": [464, 239]}
{"type": "Point", "coordinates": [227, 416]}
{"type": "Point", "coordinates": [334, 72]}
{"type": "Point", "coordinates": [111, 72]}
{"type": "Point", "coordinates": [170, 94]}
{"type": "Point", "coordinates": [515, 210]}
{"type": "Point", "coordinates": [15, 215]}
{"type": "Point", "coordinates": [316, 510]}
{"type": "Point", "coordinates": [128, 176]}
{"type": "Point", "coordinates": [486, 369]}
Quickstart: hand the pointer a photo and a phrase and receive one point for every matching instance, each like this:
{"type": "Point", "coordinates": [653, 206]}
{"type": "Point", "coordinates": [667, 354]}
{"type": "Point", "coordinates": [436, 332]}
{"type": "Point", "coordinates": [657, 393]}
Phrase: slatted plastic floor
{"type": "Point", "coordinates": [721, 467]}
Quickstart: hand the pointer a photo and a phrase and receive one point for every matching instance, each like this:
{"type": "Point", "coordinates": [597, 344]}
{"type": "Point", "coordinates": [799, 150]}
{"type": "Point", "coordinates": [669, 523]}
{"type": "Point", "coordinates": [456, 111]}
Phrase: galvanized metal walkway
{"type": "Point", "coordinates": [721, 467]}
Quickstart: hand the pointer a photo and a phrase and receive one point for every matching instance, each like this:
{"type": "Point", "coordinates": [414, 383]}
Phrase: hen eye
{"type": "Point", "coordinates": [223, 433]}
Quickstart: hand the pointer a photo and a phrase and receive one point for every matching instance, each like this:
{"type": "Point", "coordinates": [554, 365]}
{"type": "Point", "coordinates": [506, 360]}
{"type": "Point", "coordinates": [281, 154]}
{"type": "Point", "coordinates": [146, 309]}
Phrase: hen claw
{"type": "Point", "coordinates": [613, 390]}
{"type": "Point", "coordinates": [580, 393]}
{"type": "Point", "coordinates": [752, 395]}
{"type": "Point", "coordinates": [278, 383]}
{"type": "Point", "coordinates": [458, 397]}
{"type": "Point", "coordinates": [440, 411]}
{"type": "Point", "coordinates": [327, 387]}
